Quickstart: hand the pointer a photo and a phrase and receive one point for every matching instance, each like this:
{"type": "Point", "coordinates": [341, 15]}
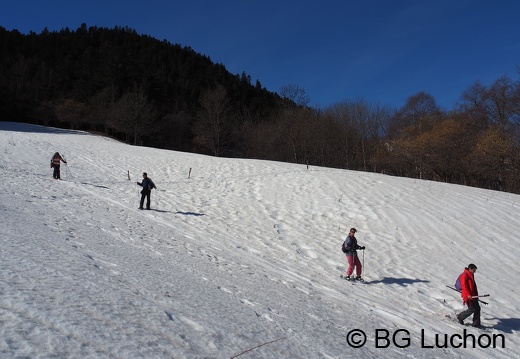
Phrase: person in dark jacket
{"type": "Point", "coordinates": [55, 163]}
{"type": "Point", "coordinates": [147, 185]}
{"type": "Point", "coordinates": [350, 247]}
{"type": "Point", "coordinates": [469, 294]}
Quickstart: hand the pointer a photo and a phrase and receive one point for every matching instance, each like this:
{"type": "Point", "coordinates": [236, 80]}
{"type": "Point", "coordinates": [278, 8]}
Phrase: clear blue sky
{"type": "Point", "coordinates": [383, 51]}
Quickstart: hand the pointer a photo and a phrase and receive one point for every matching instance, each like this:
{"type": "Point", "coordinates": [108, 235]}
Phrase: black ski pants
{"type": "Point", "coordinates": [473, 308]}
{"type": "Point", "coordinates": [145, 193]}
{"type": "Point", "coordinates": [56, 173]}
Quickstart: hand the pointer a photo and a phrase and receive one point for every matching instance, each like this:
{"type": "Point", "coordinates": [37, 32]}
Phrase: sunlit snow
{"type": "Point", "coordinates": [240, 258]}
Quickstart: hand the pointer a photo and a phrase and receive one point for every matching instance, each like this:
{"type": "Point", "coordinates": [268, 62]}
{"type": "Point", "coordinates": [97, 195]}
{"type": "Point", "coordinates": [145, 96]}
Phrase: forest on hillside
{"type": "Point", "coordinates": [148, 92]}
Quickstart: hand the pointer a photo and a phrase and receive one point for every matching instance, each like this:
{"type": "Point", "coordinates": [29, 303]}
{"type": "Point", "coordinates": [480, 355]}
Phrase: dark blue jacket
{"type": "Point", "coordinates": [147, 184]}
{"type": "Point", "coordinates": [350, 246]}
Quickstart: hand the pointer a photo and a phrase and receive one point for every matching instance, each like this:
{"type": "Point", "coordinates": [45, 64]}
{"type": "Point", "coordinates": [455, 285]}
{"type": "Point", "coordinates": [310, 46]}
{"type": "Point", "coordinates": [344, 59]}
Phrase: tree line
{"type": "Point", "coordinates": [150, 92]}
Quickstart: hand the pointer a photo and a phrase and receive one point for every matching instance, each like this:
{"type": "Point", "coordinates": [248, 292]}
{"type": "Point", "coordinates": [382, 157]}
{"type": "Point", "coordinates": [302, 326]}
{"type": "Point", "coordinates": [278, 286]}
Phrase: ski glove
{"type": "Point", "coordinates": [363, 248]}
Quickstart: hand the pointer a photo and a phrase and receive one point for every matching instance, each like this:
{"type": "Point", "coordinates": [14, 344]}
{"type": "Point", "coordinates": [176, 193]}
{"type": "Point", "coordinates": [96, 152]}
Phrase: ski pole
{"type": "Point", "coordinates": [67, 170]}
{"type": "Point", "coordinates": [66, 167]}
{"type": "Point", "coordinates": [475, 296]}
{"type": "Point", "coordinates": [481, 301]}
{"type": "Point", "coordinates": [363, 266]}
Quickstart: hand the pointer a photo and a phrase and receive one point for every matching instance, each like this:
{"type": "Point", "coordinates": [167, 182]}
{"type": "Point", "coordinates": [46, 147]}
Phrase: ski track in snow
{"type": "Point", "coordinates": [241, 253]}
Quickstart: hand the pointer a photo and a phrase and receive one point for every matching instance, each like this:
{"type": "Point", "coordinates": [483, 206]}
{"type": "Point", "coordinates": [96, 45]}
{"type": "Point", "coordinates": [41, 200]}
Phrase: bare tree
{"type": "Point", "coordinates": [495, 159]}
{"type": "Point", "coordinates": [100, 104]}
{"type": "Point", "coordinates": [213, 118]}
{"type": "Point", "coordinates": [361, 125]}
{"type": "Point", "coordinates": [71, 111]}
{"type": "Point", "coordinates": [132, 114]}
{"type": "Point", "coordinates": [474, 104]}
{"type": "Point", "coordinates": [503, 106]}
{"type": "Point", "coordinates": [416, 116]}
{"type": "Point", "coordinates": [497, 104]}
{"type": "Point", "coordinates": [295, 94]}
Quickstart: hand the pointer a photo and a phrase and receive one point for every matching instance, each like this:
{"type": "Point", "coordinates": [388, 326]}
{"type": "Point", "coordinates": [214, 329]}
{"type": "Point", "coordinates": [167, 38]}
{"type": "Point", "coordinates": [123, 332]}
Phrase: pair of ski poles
{"type": "Point", "coordinates": [67, 170]}
{"type": "Point", "coordinates": [474, 297]}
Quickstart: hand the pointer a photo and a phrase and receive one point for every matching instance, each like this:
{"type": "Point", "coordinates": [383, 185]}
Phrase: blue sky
{"type": "Point", "coordinates": [383, 51]}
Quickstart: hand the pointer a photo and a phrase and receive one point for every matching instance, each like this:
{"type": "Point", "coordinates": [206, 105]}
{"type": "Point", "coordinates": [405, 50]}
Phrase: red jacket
{"type": "Point", "coordinates": [468, 285]}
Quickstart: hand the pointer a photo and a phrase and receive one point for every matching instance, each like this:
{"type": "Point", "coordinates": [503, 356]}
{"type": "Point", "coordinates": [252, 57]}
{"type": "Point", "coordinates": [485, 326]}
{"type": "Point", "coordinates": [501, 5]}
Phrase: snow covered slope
{"type": "Point", "coordinates": [241, 259]}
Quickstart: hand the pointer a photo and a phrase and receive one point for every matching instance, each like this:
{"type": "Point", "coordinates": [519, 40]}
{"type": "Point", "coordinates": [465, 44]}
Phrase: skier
{"type": "Point", "coordinates": [349, 247]}
{"type": "Point", "coordinates": [468, 292]}
{"type": "Point", "coordinates": [147, 185]}
{"type": "Point", "coordinates": [55, 163]}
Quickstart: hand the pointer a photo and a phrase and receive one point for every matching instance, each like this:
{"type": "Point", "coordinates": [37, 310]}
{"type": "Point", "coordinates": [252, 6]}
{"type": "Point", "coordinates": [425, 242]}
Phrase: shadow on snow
{"type": "Point", "coordinates": [507, 325]}
{"type": "Point", "coordinates": [190, 213]}
{"type": "Point", "coordinates": [400, 281]}
{"type": "Point", "coordinates": [24, 127]}
{"type": "Point", "coordinates": [95, 185]}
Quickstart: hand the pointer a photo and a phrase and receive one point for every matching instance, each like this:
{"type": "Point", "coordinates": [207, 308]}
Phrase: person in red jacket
{"type": "Point", "coordinates": [469, 295]}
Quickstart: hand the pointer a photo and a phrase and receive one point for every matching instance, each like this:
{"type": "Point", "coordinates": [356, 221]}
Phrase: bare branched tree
{"type": "Point", "coordinates": [133, 115]}
{"type": "Point", "coordinates": [100, 104]}
{"type": "Point", "coordinates": [498, 104]}
{"type": "Point", "coordinates": [417, 115]}
{"type": "Point", "coordinates": [71, 111]}
{"type": "Point", "coordinates": [295, 94]}
{"type": "Point", "coordinates": [213, 118]}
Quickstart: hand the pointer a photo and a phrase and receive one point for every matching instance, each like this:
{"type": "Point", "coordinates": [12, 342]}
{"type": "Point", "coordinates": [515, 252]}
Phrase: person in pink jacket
{"type": "Point", "coordinates": [469, 295]}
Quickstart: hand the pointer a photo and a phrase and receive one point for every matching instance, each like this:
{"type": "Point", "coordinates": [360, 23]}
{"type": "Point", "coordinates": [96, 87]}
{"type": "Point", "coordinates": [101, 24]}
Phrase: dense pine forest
{"type": "Point", "coordinates": [148, 92]}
